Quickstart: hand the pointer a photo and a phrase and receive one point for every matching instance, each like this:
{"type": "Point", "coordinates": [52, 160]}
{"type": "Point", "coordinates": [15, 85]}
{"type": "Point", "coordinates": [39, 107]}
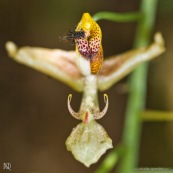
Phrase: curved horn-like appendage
{"type": "Point", "coordinates": [101, 114]}
{"type": "Point", "coordinates": [72, 112]}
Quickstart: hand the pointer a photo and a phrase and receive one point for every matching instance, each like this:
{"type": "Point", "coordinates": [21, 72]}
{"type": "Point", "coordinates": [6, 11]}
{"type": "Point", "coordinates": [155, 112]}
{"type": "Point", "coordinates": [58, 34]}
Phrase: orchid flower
{"type": "Point", "coordinates": [85, 71]}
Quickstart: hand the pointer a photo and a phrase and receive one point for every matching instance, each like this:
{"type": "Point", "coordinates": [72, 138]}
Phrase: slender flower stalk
{"type": "Point", "coordinates": [157, 116]}
{"type": "Point", "coordinates": [137, 85]}
{"type": "Point", "coordinates": [118, 17]}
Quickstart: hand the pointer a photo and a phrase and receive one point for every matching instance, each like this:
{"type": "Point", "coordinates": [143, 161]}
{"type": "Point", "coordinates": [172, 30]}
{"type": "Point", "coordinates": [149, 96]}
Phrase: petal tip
{"type": "Point", "coordinates": [11, 48]}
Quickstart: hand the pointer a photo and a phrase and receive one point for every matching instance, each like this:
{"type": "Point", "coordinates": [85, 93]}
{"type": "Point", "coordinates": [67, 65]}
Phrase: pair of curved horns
{"type": "Point", "coordinates": [98, 115]}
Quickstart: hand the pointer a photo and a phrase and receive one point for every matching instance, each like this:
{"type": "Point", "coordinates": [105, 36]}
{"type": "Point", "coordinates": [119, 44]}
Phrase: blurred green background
{"type": "Point", "coordinates": [34, 120]}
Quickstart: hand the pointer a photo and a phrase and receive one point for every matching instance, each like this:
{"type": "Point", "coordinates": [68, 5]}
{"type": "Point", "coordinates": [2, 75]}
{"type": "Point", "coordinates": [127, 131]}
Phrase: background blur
{"type": "Point", "coordinates": [34, 120]}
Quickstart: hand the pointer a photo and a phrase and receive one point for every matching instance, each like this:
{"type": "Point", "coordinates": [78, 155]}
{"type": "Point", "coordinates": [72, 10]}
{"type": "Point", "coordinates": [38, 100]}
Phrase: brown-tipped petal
{"type": "Point", "coordinates": [101, 114]}
{"type": "Point", "coordinates": [116, 67]}
{"type": "Point", "coordinates": [56, 63]}
{"type": "Point", "coordinates": [72, 112]}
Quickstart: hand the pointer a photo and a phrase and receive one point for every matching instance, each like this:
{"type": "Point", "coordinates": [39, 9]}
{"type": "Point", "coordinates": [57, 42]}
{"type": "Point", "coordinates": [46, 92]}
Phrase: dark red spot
{"type": "Point", "coordinates": [86, 118]}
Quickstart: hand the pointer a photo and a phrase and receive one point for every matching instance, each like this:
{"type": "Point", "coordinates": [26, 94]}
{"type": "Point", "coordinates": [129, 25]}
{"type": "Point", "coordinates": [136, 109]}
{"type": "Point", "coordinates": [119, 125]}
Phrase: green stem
{"type": "Point", "coordinates": [156, 116]}
{"type": "Point", "coordinates": [137, 86]}
{"type": "Point", "coordinates": [117, 17]}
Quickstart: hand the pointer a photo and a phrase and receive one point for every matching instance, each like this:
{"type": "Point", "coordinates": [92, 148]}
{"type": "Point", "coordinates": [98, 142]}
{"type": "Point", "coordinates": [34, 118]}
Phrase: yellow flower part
{"type": "Point", "coordinates": [89, 48]}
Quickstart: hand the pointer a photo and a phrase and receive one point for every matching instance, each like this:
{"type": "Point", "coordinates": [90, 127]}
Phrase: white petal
{"type": "Point", "coordinates": [88, 142]}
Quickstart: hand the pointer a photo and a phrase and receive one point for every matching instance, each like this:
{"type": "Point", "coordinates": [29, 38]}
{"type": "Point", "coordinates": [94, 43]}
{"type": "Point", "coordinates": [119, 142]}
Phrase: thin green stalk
{"type": "Point", "coordinates": [156, 116]}
{"type": "Point", "coordinates": [137, 86]}
{"type": "Point", "coordinates": [117, 17]}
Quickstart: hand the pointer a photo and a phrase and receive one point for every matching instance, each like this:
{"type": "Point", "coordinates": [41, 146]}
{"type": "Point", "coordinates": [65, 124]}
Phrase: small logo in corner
{"type": "Point", "coordinates": [7, 166]}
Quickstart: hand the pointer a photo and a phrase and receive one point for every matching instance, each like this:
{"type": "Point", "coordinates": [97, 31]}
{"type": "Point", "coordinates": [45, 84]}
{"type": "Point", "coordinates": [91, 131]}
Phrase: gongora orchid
{"type": "Point", "coordinates": [85, 71]}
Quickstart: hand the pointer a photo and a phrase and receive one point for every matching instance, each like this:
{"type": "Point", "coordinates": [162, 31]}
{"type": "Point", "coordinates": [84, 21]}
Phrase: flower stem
{"type": "Point", "coordinates": [117, 17]}
{"type": "Point", "coordinates": [156, 116]}
{"type": "Point", "coordinates": [137, 87]}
